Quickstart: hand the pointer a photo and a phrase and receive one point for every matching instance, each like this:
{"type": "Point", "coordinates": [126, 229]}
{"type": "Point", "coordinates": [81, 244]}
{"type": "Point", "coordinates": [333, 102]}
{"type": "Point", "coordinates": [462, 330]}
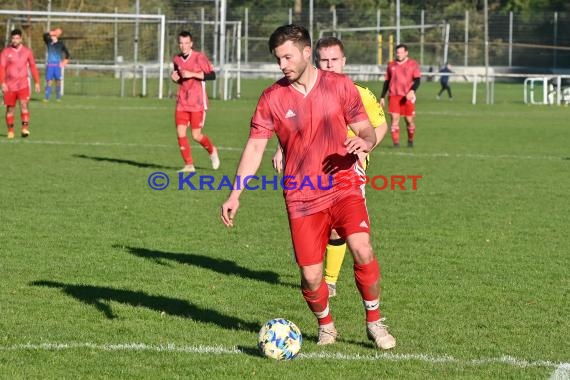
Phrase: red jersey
{"type": "Point", "coordinates": [401, 76]}
{"type": "Point", "coordinates": [311, 128]}
{"type": "Point", "coordinates": [14, 64]}
{"type": "Point", "coordinates": [192, 95]}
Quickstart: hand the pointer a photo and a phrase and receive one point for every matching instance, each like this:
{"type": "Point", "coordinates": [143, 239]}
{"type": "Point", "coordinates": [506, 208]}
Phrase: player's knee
{"type": "Point", "coordinates": [197, 135]}
{"type": "Point", "coordinates": [311, 279]}
{"type": "Point", "coordinates": [362, 251]}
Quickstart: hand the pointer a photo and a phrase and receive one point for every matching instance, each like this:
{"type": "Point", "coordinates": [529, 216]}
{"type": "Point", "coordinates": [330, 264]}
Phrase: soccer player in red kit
{"type": "Point", "coordinates": [309, 111]}
{"type": "Point", "coordinates": [191, 70]}
{"type": "Point", "coordinates": [15, 60]}
{"type": "Point", "coordinates": [402, 81]}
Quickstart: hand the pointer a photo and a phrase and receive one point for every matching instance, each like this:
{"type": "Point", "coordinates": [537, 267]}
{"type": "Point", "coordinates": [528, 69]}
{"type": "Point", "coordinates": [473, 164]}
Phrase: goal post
{"type": "Point", "coordinates": [106, 58]}
{"type": "Point", "coordinates": [371, 37]}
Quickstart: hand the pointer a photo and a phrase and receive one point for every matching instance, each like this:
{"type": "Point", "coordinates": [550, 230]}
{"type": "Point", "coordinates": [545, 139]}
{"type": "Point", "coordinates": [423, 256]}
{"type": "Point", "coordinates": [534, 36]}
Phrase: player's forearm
{"type": "Point", "coordinates": [380, 131]}
{"type": "Point", "coordinates": [416, 84]}
{"type": "Point", "coordinates": [368, 135]}
{"type": "Point", "coordinates": [248, 165]}
{"type": "Point", "coordinates": [197, 75]}
{"type": "Point", "coordinates": [34, 71]}
{"type": "Point", "coordinates": [385, 88]}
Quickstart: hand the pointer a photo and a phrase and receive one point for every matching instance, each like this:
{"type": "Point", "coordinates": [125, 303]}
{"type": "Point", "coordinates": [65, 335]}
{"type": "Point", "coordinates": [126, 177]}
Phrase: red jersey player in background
{"type": "Point", "coordinates": [191, 70]}
{"type": "Point", "coordinates": [309, 111]}
{"type": "Point", "coordinates": [402, 80]}
{"type": "Point", "coordinates": [15, 60]}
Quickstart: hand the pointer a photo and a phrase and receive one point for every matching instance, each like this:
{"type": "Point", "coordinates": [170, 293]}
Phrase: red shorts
{"type": "Point", "coordinates": [401, 105]}
{"type": "Point", "coordinates": [310, 233]}
{"type": "Point", "coordinates": [10, 97]}
{"type": "Point", "coordinates": [194, 119]}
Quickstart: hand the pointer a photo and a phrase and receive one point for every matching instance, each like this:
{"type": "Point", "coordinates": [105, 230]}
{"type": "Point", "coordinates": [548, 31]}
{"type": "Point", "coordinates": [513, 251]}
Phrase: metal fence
{"type": "Point", "coordinates": [538, 40]}
{"type": "Point", "coordinates": [536, 43]}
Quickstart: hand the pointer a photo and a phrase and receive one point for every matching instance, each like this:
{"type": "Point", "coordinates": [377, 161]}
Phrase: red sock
{"type": "Point", "coordinates": [396, 135]}
{"type": "Point", "coordinates": [367, 276]}
{"type": "Point", "coordinates": [207, 144]}
{"type": "Point", "coordinates": [10, 121]}
{"type": "Point", "coordinates": [411, 132]}
{"type": "Point", "coordinates": [25, 116]}
{"type": "Point", "coordinates": [185, 150]}
{"type": "Point", "coordinates": [318, 302]}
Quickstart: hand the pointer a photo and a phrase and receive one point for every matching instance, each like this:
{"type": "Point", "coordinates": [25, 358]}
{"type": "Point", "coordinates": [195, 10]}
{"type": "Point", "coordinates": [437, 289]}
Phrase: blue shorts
{"type": "Point", "coordinates": [53, 72]}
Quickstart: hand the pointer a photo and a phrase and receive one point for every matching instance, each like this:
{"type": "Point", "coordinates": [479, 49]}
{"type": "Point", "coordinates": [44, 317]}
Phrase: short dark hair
{"type": "Point", "coordinates": [402, 46]}
{"type": "Point", "coordinates": [16, 32]}
{"type": "Point", "coordinates": [185, 33]}
{"type": "Point", "coordinates": [292, 32]}
{"type": "Point", "coordinates": [328, 41]}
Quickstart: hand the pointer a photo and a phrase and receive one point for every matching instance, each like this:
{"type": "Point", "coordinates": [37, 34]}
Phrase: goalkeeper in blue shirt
{"type": "Point", "coordinates": [57, 58]}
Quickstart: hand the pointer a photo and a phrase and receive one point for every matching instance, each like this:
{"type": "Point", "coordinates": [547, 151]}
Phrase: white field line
{"type": "Point", "coordinates": [562, 372]}
{"type": "Point", "coordinates": [475, 156]}
{"type": "Point", "coordinates": [561, 368]}
{"type": "Point", "coordinates": [96, 143]}
{"type": "Point", "coordinates": [239, 149]}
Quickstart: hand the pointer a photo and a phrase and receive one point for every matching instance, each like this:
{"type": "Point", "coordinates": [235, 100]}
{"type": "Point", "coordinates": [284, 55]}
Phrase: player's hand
{"type": "Point", "coordinates": [382, 102]}
{"type": "Point", "coordinates": [175, 76]}
{"type": "Point", "coordinates": [229, 210]}
{"type": "Point", "coordinates": [37, 87]}
{"type": "Point", "coordinates": [278, 160]}
{"type": "Point", "coordinates": [334, 163]}
{"type": "Point", "coordinates": [4, 87]}
{"type": "Point", "coordinates": [185, 74]}
{"type": "Point", "coordinates": [411, 96]}
{"type": "Point", "coordinates": [64, 63]}
{"type": "Point", "coordinates": [356, 145]}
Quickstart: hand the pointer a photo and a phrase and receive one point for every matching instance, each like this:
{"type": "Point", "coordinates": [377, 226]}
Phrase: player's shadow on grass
{"type": "Point", "coordinates": [251, 351]}
{"type": "Point", "coordinates": [144, 165]}
{"type": "Point", "coordinates": [222, 266]}
{"type": "Point", "coordinates": [100, 297]}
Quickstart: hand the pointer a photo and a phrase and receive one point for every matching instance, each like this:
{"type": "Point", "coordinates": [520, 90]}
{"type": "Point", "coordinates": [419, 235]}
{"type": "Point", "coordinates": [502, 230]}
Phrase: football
{"type": "Point", "coordinates": [279, 339]}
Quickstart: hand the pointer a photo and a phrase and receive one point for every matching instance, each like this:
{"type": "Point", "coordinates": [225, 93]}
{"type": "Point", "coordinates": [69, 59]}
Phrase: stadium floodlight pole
{"type": "Point", "coordinates": [446, 43]}
{"type": "Point", "coordinates": [136, 46]}
{"type": "Point", "coordinates": [223, 9]}
{"type": "Point", "coordinates": [555, 42]}
{"type": "Point", "coordinates": [311, 5]}
{"type": "Point", "coordinates": [48, 15]}
{"type": "Point", "coordinates": [161, 55]}
{"type": "Point", "coordinates": [487, 92]}
{"type": "Point", "coordinates": [397, 22]}
{"type": "Point", "coordinates": [422, 36]}
{"type": "Point", "coordinates": [48, 26]}
{"type": "Point", "coordinates": [466, 39]}
{"type": "Point", "coordinates": [510, 38]}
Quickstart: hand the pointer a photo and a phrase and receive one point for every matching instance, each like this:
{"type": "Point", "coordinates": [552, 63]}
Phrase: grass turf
{"type": "Point", "coordinates": [136, 283]}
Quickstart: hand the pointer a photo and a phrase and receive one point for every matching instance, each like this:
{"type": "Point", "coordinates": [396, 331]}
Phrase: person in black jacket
{"type": "Point", "coordinates": [444, 80]}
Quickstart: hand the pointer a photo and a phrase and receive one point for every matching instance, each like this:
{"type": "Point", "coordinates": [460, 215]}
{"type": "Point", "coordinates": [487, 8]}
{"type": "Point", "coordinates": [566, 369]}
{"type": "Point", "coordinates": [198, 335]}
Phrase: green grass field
{"type": "Point", "coordinates": [103, 277]}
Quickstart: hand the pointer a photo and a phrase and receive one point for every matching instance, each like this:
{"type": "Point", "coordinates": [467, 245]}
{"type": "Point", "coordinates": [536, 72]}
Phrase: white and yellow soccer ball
{"type": "Point", "coordinates": [280, 339]}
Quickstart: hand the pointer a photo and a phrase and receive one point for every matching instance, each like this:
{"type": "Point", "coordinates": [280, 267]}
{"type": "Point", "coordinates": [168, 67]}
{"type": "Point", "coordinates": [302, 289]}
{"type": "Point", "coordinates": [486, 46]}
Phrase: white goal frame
{"type": "Point", "coordinates": [49, 16]}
